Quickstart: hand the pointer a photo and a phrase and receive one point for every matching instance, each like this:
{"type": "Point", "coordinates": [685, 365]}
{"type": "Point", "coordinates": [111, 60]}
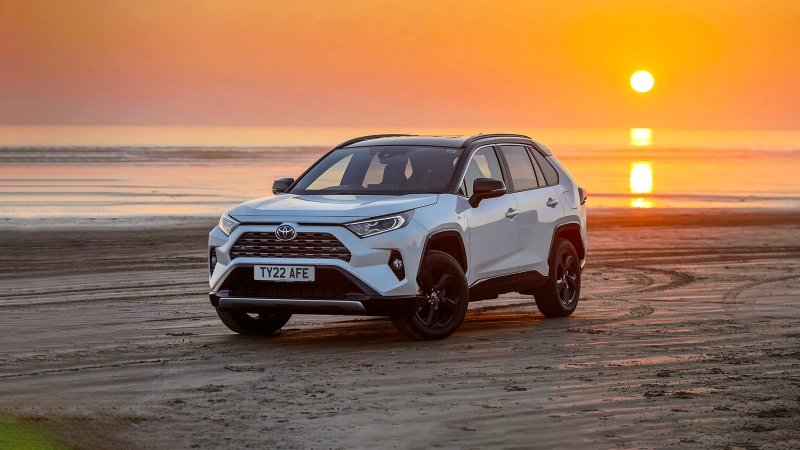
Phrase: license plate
{"type": "Point", "coordinates": [284, 273]}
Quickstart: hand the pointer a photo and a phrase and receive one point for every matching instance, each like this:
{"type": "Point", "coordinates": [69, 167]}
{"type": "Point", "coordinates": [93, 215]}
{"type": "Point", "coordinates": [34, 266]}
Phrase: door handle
{"type": "Point", "coordinates": [551, 202]}
{"type": "Point", "coordinates": [511, 213]}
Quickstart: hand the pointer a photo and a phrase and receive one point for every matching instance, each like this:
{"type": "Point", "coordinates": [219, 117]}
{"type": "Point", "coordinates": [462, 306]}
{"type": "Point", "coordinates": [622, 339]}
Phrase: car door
{"type": "Point", "coordinates": [539, 209]}
{"type": "Point", "coordinates": [492, 226]}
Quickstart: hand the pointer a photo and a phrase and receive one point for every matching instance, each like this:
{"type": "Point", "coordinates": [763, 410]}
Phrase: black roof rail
{"type": "Point", "coordinates": [367, 138]}
{"type": "Point", "coordinates": [491, 135]}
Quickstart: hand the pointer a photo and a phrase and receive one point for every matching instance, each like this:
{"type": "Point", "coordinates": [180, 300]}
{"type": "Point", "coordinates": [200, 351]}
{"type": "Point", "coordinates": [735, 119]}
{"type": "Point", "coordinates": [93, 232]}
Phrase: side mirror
{"type": "Point", "coordinates": [483, 188]}
{"type": "Point", "coordinates": [280, 185]}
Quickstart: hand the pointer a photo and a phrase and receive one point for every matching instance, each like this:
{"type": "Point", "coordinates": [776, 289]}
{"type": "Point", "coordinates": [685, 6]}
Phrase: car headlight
{"type": "Point", "coordinates": [227, 224]}
{"type": "Point", "coordinates": [378, 225]}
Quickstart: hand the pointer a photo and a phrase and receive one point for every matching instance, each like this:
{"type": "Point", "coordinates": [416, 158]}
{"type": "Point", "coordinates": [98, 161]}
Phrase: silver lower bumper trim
{"type": "Point", "coordinates": [239, 302]}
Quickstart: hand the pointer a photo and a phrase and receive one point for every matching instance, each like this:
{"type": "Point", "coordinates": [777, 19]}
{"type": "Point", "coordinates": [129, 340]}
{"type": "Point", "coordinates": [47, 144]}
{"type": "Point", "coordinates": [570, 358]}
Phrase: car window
{"type": "Point", "coordinates": [484, 164]}
{"type": "Point", "coordinates": [391, 170]}
{"type": "Point", "coordinates": [519, 164]}
{"type": "Point", "coordinates": [550, 174]}
{"type": "Point", "coordinates": [539, 174]}
{"type": "Point", "coordinates": [332, 176]}
{"type": "Point", "coordinates": [379, 172]}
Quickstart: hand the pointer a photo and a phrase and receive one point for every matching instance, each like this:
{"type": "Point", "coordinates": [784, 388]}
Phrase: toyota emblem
{"type": "Point", "coordinates": [285, 233]}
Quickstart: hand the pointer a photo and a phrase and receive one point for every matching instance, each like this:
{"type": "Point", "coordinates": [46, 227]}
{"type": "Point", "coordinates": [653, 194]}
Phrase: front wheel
{"type": "Point", "coordinates": [559, 295]}
{"type": "Point", "coordinates": [444, 287]}
{"type": "Point", "coordinates": [257, 324]}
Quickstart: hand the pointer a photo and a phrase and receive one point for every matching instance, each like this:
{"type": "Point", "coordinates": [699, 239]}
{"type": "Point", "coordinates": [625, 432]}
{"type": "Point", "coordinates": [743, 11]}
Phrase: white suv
{"type": "Point", "coordinates": [410, 227]}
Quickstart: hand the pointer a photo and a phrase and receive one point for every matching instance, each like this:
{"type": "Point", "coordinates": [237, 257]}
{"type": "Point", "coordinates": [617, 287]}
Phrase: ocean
{"type": "Point", "coordinates": [139, 171]}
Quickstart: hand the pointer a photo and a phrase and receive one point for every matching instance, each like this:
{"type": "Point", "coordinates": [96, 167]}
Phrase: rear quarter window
{"type": "Point", "coordinates": [549, 172]}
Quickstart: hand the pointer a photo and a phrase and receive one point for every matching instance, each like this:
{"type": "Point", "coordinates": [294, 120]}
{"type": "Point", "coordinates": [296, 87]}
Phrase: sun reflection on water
{"type": "Point", "coordinates": [641, 137]}
{"type": "Point", "coordinates": [641, 182]}
{"type": "Point", "coordinates": [641, 202]}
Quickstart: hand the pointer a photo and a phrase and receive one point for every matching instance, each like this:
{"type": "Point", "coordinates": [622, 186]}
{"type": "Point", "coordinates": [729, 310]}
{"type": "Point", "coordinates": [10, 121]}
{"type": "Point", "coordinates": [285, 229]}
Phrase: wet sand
{"type": "Point", "coordinates": [687, 335]}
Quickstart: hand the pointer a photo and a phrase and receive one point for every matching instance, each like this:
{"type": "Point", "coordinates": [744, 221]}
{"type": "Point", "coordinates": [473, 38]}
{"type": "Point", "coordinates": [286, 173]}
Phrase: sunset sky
{"type": "Point", "coordinates": [532, 64]}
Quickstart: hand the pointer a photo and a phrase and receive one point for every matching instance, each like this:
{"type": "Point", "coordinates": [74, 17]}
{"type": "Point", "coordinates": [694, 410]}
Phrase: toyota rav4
{"type": "Point", "coordinates": [409, 227]}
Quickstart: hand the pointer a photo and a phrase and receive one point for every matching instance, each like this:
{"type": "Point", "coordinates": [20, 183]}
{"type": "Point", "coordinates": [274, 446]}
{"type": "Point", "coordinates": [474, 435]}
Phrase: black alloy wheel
{"type": "Point", "coordinates": [443, 305]}
{"type": "Point", "coordinates": [440, 309]}
{"type": "Point", "coordinates": [559, 296]}
{"type": "Point", "coordinates": [567, 271]}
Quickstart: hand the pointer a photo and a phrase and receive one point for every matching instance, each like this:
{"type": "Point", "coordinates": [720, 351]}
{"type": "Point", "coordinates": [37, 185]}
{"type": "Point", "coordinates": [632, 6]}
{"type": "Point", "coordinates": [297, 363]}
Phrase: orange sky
{"type": "Point", "coordinates": [531, 64]}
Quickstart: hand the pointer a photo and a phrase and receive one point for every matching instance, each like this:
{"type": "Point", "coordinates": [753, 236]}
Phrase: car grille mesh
{"type": "Point", "coordinates": [305, 245]}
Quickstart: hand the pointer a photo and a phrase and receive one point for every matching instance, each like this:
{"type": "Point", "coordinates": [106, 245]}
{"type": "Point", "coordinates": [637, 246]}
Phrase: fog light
{"type": "Point", "coordinates": [396, 264]}
{"type": "Point", "coordinates": [212, 259]}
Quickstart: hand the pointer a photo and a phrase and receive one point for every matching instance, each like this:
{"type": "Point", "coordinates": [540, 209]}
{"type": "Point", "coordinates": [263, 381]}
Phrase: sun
{"type": "Point", "coordinates": [642, 81]}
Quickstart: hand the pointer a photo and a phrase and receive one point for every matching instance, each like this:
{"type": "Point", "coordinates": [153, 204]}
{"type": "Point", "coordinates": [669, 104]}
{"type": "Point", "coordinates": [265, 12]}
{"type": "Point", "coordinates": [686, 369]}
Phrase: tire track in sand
{"type": "Point", "coordinates": [732, 295]}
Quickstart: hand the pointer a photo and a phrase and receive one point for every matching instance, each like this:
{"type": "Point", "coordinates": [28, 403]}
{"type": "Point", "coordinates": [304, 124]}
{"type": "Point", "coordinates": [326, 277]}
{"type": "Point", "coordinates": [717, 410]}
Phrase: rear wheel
{"type": "Point", "coordinates": [444, 287]}
{"type": "Point", "coordinates": [559, 295]}
{"type": "Point", "coordinates": [254, 324]}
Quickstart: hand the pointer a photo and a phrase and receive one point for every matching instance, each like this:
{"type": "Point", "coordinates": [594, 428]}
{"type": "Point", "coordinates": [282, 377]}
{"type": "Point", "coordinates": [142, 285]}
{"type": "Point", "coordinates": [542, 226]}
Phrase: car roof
{"type": "Point", "coordinates": [434, 141]}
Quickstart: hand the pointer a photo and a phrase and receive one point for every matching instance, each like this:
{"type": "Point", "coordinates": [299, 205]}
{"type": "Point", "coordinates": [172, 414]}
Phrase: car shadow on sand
{"type": "Point", "coordinates": [380, 331]}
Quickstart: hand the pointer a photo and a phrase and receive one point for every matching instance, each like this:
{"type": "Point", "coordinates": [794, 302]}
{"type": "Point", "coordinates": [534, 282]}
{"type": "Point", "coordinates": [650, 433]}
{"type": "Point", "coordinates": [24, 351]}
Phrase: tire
{"type": "Point", "coordinates": [443, 283]}
{"type": "Point", "coordinates": [244, 323]}
{"type": "Point", "coordinates": [559, 295]}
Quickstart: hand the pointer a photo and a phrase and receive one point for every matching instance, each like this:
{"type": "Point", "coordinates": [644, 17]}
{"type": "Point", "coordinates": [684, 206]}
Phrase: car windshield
{"type": "Point", "coordinates": [385, 169]}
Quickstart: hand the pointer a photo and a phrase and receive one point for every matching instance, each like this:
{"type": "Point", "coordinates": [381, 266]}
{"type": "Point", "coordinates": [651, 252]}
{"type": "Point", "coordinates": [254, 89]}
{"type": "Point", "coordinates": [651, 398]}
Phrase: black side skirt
{"type": "Point", "coordinates": [523, 282]}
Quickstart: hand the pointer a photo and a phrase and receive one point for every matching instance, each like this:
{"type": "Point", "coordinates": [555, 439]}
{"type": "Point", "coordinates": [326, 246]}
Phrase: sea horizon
{"type": "Point", "coordinates": [251, 136]}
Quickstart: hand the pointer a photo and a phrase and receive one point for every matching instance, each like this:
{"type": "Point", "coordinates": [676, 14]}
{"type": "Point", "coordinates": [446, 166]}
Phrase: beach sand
{"type": "Point", "coordinates": [687, 335]}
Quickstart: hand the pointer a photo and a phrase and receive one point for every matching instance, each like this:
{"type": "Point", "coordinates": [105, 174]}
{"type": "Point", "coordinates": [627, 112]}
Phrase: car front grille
{"type": "Point", "coordinates": [305, 245]}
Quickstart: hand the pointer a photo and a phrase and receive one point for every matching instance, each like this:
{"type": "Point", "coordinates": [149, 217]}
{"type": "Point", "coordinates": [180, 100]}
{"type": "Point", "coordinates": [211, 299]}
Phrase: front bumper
{"type": "Point", "coordinates": [363, 305]}
{"type": "Point", "coordinates": [368, 263]}
{"type": "Point", "coordinates": [336, 291]}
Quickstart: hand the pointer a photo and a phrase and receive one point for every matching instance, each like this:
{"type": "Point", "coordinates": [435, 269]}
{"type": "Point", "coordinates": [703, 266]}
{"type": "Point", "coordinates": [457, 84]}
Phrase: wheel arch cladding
{"type": "Point", "coordinates": [450, 242]}
{"type": "Point", "coordinates": [572, 233]}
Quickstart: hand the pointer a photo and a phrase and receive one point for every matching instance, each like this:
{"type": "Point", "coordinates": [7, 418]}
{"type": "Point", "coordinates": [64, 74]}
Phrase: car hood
{"type": "Point", "coordinates": [326, 208]}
